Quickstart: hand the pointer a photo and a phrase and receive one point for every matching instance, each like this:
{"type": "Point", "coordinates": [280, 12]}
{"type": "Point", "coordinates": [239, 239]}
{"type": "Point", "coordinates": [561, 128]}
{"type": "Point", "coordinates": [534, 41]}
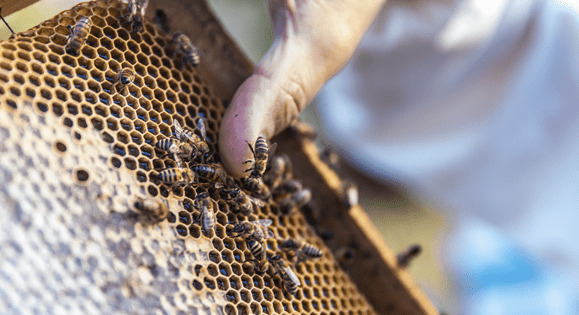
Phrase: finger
{"type": "Point", "coordinates": [288, 76]}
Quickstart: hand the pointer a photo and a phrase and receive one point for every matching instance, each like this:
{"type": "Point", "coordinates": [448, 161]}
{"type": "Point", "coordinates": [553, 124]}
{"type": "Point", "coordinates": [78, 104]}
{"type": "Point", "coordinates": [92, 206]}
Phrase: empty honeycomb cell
{"type": "Point", "coordinates": [88, 52]}
{"type": "Point", "coordinates": [106, 43]}
{"type": "Point", "coordinates": [119, 149]}
{"type": "Point", "coordinates": [30, 92]}
{"type": "Point", "coordinates": [127, 124]}
{"type": "Point", "coordinates": [25, 46]}
{"type": "Point", "coordinates": [67, 121]}
{"type": "Point", "coordinates": [185, 217]}
{"type": "Point", "coordinates": [24, 56]}
{"type": "Point", "coordinates": [4, 77]}
{"type": "Point", "coordinates": [64, 69]}
{"type": "Point", "coordinates": [8, 55]}
{"type": "Point", "coordinates": [6, 66]}
{"type": "Point", "coordinates": [81, 176]}
{"type": "Point", "coordinates": [145, 164]}
{"type": "Point", "coordinates": [83, 74]}
{"type": "Point", "coordinates": [148, 138]}
{"type": "Point", "coordinates": [81, 122]}
{"type": "Point", "coordinates": [130, 163]}
{"type": "Point", "coordinates": [104, 54]}
{"type": "Point", "coordinates": [112, 124]}
{"type": "Point", "coordinates": [97, 20]}
{"type": "Point", "coordinates": [85, 62]}
{"type": "Point", "coordinates": [18, 78]}
{"type": "Point", "coordinates": [98, 123]}
{"type": "Point", "coordinates": [195, 231]}
{"type": "Point", "coordinates": [59, 146]}
{"type": "Point", "coordinates": [69, 60]}
{"type": "Point", "coordinates": [116, 55]}
{"type": "Point", "coordinates": [161, 82]}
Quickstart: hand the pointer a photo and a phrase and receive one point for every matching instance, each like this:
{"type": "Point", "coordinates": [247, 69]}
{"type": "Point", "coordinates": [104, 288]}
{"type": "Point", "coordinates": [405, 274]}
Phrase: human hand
{"type": "Point", "coordinates": [313, 40]}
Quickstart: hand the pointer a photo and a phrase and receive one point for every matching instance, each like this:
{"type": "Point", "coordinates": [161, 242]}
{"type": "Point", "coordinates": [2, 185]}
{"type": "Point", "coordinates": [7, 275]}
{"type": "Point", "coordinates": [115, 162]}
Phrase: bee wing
{"type": "Point", "coordinates": [271, 152]}
{"type": "Point", "coordinates": [180, 163]}
{"type": "Point", "coordinates": [202, 129]}
{"type": "Point", "coordinates": [178, 129]}
{"type": "Point", "coordinates": [288, 270]}
{"type": "Point", "coordinates": [263, 222]}
{"type": "Point", "coordinates": [267, 233]}
{"type": "Point", "coordinates": [144, 4]}
{"type": "Point", "coordinates": [257, 202]}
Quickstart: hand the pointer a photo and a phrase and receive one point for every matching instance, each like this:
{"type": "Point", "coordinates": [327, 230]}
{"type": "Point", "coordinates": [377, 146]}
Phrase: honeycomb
{"type": "Point", "coordinates": [75, 155]}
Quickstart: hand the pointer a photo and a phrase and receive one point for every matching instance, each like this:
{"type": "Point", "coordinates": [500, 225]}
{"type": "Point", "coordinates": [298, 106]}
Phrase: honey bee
{"type": "Point", "coordinates": [212, 172]}
{"type": "Point", "coordinates": [406, 257]}
{"type": "Point", "coordinates": [287, 187]}
{"type": "Point", "coordinates": [260, 266]}
{"type": "Point", "coordinates": [256, 230]}
{"type": "Point", "coordinates": [256, 249]}
{"type": "Point", "coordinates": [261, 156]}
{"type": "Point", "coordinates": [191, 52]}
{"type": "Point", "coordinates": [350, 194]}
{"type": "Point", "coordinates": [153, 209]}
{"type": "Point", "coordinates": [78, 36]}
{"type": "Point", "coordinates": [291, 282]}
{"type": "Point", "coordinates": [241, 202]}
{"type": "Point", "coordinates": [258, 188]}
{"type": "Point", "coordinates": [208, 219]}
{"type": "Point", "coordinates": [177, 177]}
{"type": "Point", "coordinates": [280, 166]}
{"type": "Point", "coordinates": [331, 158]}
{"type": "Point", "coordinates": [198, 142]}
{"type": "Point", "coordinates": [125, 77]}
{"type": "Point", "coordinates": [302, 249]}
{"type": "Point", "coordinates": [181, 150]}
{"type": "Point", "coordinates": [295, 201]}
{"type": "Point", "coordinates": [161, 20]}
{"type": "Point", "coordinates": [136, 14]}
{"type": "Point", "coordinates": [203, 199]}
{"type": "Point", "coordinates": [345, 255]}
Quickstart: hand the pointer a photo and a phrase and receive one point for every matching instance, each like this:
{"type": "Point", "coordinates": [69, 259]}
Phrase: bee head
{"type": "Point", "coordinates": [71, 51]}
{"type": "Point", "coordinates": [238, 228]}
{"type": "Point", "coordinates": [137, 26]}
{"type": "Point", "coordinates": [255, 174]}
{"type": "Point", "coordinates": [234, 192]}
{"type": "Point", "coordinates": [288, 244]}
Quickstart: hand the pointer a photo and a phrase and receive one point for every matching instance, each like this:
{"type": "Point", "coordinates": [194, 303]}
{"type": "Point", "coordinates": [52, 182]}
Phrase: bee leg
{"type": "Point", "coordinates": [250, 147]}
{"type": "Point", "coordinates": [198, 218]}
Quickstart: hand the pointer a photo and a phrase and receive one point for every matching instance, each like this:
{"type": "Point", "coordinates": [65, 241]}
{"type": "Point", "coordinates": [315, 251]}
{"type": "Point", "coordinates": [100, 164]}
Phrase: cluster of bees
{"type": "Point", "coordinates": [269, 179]}
{"type": "Point", "coordinates": [137, 8]}
{"type": "Point", "coordinates": [194, 161]}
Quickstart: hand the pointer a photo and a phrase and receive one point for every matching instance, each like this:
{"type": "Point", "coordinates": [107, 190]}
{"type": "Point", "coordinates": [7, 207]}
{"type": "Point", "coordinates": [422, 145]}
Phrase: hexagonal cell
{"type": "Point", "coordinates": [130, 163]}
{"type": "Point", "coordinates": [123, 137]}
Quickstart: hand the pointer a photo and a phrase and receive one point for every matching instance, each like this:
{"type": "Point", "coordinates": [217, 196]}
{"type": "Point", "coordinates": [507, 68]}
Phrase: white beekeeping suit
{"type": "Point", "coordinates": [476, 106]}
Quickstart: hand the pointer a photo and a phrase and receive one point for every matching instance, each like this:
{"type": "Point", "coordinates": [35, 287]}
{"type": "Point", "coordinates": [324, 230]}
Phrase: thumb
{"type": "Point", "coordinates": [264, 104]}
{"type": "Point", "coordinates": [305, 54]}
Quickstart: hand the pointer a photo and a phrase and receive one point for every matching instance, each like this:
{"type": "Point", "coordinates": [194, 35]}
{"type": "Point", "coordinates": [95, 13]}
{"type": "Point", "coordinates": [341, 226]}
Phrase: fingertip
{"type": "Point", "coordinates": [243, 122]}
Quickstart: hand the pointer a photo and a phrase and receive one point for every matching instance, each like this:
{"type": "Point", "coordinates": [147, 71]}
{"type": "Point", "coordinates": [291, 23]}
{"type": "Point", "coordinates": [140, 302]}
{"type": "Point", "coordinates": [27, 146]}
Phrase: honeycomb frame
{"type": "Point", "coordinates": [69, 137]}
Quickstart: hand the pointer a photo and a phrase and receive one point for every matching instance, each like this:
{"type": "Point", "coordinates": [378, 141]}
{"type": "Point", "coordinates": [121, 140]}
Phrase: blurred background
{"type": "Point", "coordinates": [401, 217]}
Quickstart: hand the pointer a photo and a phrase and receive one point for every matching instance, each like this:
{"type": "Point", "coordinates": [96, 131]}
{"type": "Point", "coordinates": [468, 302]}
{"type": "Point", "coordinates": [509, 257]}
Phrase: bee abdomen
{"type": "Point", "coordinates": [311, 251]}
{"type": "Point", "coordinates": [290, 286]}
{"type": "Point", "coordinates": [169, 176]}
{"type": "Point", "coordinates": [256, 249]}
{"type": "Point", "coordinates": [166, 144]}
